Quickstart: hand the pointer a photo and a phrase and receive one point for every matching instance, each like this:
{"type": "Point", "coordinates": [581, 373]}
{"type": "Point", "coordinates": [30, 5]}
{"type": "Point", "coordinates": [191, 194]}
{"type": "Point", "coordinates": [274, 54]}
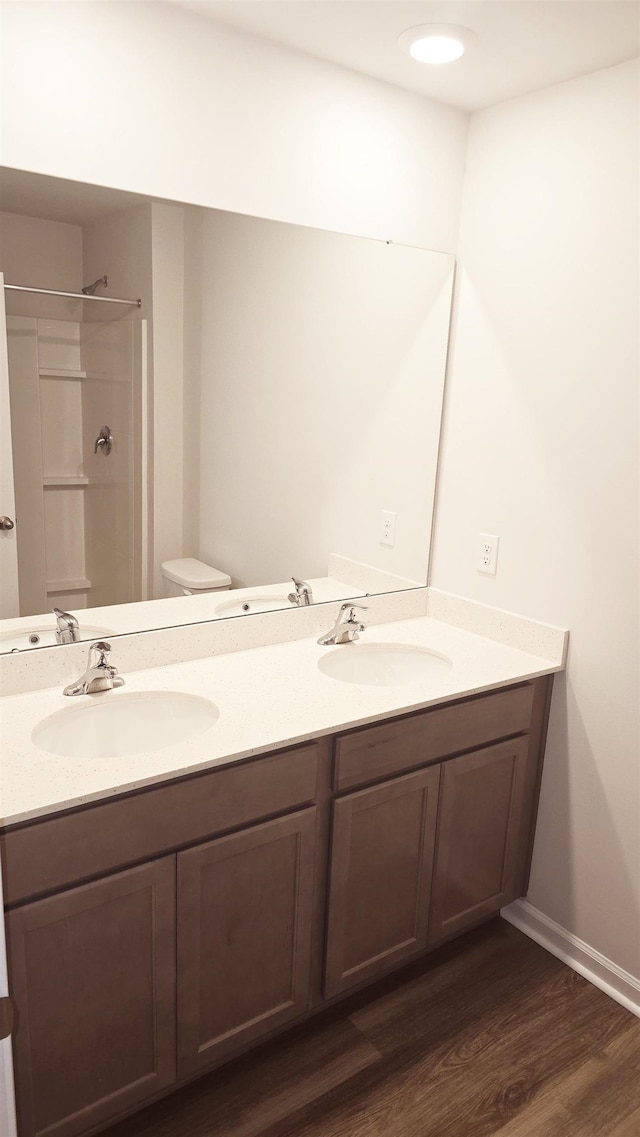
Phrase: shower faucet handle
{"type": "Point", "coordinates": [104, 441]}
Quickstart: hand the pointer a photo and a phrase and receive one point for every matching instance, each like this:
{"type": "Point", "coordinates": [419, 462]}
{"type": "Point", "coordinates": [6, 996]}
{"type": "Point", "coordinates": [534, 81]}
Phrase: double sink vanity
{"type": "Point", "coordinates": [225, 845]}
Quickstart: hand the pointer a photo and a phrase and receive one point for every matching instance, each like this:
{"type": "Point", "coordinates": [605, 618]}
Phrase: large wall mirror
{"type": "Point", "coordinates": [262, 403]}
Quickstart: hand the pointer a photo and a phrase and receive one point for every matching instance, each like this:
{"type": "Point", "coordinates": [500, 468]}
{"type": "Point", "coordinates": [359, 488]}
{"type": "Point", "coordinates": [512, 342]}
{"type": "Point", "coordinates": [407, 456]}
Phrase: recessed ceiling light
{"type": "Point", "coordinates": [436, 43]}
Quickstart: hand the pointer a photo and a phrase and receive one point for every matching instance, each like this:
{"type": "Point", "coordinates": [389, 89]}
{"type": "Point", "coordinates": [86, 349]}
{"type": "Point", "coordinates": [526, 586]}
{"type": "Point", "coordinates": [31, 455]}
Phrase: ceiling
{"type": "Point", "coordinates": [36, 195]}
{"type": "Point", "coordinates": [522, 45]}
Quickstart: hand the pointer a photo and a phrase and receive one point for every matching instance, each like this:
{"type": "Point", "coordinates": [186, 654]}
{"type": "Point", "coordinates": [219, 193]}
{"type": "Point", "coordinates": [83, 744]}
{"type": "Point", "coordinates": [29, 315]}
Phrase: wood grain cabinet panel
{"type": "Point", "coordinates": [62, 850]}
{"type": "Point", "coordinates": [92, 974]}
{"type": "Point", "coordinates": [244, 937]}
{"type": "Point", "coordinates": [482, 836]}
{"type": "Point", "coordinates": [381, 864]}
{"type": "Point", "coordinates": [399, 744]}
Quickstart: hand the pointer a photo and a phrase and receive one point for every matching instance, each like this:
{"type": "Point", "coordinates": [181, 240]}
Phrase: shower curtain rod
{"type": "Point", "coordinates": [72, 295]}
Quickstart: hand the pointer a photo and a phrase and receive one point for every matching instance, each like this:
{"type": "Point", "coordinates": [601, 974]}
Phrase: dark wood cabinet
{"type": "Point", "coordinates": [398, 745]}
{"type": "Point", "coordinates": [381, 864]}
{"type": "Point", "coordinates": [244, 937]}
{"type": "Point", "coordinates": [59, 851]}
{"type": "Point", "coordinates": [93, 984]}
{"type": "Point", "coordinates": [128, 980]}
{"type": "Point", "coordinates": [482, 836]}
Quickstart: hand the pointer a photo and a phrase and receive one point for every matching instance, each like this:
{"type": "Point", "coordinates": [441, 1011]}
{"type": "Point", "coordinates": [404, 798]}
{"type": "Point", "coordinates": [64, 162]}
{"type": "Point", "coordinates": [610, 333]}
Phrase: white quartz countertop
{"type": "Point", "coordinates": [268, 698]}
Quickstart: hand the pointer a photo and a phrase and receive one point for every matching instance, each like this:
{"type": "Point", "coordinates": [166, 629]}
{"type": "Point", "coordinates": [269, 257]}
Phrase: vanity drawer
{"type": "Point", "coordinates": [377, 751]}
{"type": "Point", "coordinates": [43, 856]}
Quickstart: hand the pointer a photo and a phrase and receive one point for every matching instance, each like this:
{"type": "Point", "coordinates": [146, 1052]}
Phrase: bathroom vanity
{"type": "Point", "coordinates": [155, 931]}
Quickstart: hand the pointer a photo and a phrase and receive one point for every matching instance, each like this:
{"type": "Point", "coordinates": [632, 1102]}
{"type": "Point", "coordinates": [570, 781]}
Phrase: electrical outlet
{"type": "Point", "coordinates": [388, 528]}
{"type": "Point", "coordinates": [488, 553]}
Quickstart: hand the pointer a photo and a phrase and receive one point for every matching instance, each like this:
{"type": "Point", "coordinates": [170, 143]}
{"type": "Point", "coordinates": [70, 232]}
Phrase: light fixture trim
{"type": "Point", "coordinates": [443, 43]}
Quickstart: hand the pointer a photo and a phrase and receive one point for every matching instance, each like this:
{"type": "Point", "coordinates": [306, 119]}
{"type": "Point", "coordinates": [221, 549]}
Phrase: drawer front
{"type": "Point", "coordinates": [63, 850]}
{"type": "Point", "coordinates": [377, 751]}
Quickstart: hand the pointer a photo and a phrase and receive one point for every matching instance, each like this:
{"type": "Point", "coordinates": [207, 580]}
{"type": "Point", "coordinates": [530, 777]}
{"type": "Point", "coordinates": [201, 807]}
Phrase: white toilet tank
{"type": "Point", "coordinates": [188, 577]}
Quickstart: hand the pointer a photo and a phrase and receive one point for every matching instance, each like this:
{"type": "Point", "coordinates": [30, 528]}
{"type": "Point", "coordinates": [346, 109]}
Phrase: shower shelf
{"type": "Point", "coordinates": [80, 584]}
{"type": "Point", "coordinates": [63, 480]}
{"type": "Point", "coordinates": [61, 373]}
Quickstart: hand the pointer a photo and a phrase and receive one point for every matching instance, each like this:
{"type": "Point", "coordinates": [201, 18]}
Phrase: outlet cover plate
{"type": "Point", "coordinates": [488, 553]}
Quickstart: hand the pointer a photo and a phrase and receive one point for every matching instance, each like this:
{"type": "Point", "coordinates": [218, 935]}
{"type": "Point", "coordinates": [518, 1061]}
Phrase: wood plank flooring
{"type": "Point", "coordinates": [488, 1035]}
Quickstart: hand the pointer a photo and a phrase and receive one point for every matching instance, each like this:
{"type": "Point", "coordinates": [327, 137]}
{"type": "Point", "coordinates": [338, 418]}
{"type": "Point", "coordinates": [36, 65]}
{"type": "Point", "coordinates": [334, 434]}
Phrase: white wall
{"type": "Point", "coordinates": [169, 504]}
{"type": "Point", "coordinates": [41, 254]}
{"type": "Point", "coordinates": [149, 97]}
{"type": "Point", "coordinates": [321, 360]}
{"type": "Point", "coordinates": [541, 447]}
{"type": "Point", "coordinates": [119, 245]}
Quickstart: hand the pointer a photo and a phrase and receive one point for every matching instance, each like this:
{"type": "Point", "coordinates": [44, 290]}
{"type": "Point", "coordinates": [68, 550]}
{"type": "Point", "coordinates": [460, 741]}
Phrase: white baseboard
{"type": "Point", "coordinates": [603, 972]}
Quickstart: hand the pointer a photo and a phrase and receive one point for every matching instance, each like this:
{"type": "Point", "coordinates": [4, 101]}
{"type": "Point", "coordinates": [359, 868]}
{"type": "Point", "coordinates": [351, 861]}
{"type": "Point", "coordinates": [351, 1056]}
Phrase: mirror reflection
{"type": "Point", "coordinates": [227, 414]}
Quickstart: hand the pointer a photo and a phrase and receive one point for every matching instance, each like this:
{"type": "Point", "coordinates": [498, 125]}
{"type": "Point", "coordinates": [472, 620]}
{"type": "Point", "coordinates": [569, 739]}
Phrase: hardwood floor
{"type": "Point", "coordinates": [488, 1035]}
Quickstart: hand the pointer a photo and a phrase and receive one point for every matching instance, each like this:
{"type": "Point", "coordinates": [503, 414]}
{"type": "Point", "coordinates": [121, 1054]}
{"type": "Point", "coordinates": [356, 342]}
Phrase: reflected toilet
{"type": "Point", "coordinates": [190, 577]}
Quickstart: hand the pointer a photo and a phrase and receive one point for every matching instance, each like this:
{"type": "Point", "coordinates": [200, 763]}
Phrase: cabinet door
{"type": "Point", "coordinates": [92, 975]}
{"type": "Point", "coordinates": [244, 936]}
{"type": "Point", "coordinates": [482, 836]}
{"type": "Point", "coordinates": [381, 865]}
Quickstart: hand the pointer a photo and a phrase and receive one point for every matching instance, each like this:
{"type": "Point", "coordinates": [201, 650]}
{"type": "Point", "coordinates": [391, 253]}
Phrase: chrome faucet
{"type": "Point", "coordinates": [68, 630]}
{"type": "Point", "coordinates": [302, 595]}
{"type": "Point", "coordinates": [100, 674]}
{"type": "Point", "coordinates": [347, 627]}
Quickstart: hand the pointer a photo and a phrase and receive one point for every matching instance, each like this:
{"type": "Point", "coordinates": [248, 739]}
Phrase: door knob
{"type": "Point", "coordinates": [6, 523]}
{"type": "Point", "coordinates": [103, 441]}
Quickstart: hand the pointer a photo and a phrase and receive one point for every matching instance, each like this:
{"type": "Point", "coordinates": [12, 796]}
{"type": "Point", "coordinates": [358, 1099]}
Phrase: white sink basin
{"type": "Point", "coordinates": [382, 665]}
{"type": "Point", "coordinates": [116, 726]}
{"type": "Point", "coordinates": [44, 637]}
{"type": "Point", "coordinates": [250, 604]}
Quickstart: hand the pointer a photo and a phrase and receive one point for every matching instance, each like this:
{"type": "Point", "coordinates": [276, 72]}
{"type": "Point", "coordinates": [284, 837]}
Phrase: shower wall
{"type": "Point", "coordinates": [109, 352]}
{"type": "Point", "coordinates": [120, 244]}
{"type": "Point", "coordinates": [75, 513]}
{"type": "Point", "coordinates": [74, 367]}
{"type": "Point", "coordinates": [63, 477]}
{"type": "Point", "coordinates": [46, 415]}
